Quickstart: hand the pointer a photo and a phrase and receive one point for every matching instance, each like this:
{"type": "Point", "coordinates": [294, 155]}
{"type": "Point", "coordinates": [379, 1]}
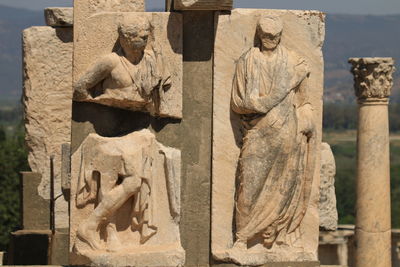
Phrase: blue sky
{"type": "Point", "coordinates": [373, 7]}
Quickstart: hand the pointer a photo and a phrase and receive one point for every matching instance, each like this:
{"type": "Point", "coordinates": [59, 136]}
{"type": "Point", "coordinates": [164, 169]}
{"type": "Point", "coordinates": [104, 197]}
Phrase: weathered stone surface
{"type": "Point", "coordinates": [195, 145]}
{"type": "Point", "coordinates": [125, 202]}
{"type": "Point", "coordinates": [35, 209]}
{"type": "Point", "coordinates": [303, 34]}
{"type": "Point", "coordinates": [373, 82]}
{"type": "Point", "coordinates": [114, 72]}
{"type": "Point", "coordinates": [203, 4]}
{"type": "Point", "coordinates": [335, 247]}
{"type": "Point", "coordinates": [85, 8]}
{"type": "Point", "coordinates": [59, 16]}
{"type": "Point", "coordinates": [373, 77]}
{"type": "Point", "coordinates": [328, 215]}
{"type": "Point", "coordinates": [47, 99]}
{"type": "Point", "coordinates": [59, 248]}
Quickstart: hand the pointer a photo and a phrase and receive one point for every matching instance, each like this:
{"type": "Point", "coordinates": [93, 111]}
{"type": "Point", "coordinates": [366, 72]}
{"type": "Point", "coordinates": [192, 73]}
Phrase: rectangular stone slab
{"type": "Point", "coordinates": [35, 209]}
{"type": "Point", "coordinates": [235, 33]}
{"type": "Point", "coordinates": [101, 38]}
{"type": "Point", "coordinates": [47, 101]}
{"type": "Point", "coordinates": [203, 4]}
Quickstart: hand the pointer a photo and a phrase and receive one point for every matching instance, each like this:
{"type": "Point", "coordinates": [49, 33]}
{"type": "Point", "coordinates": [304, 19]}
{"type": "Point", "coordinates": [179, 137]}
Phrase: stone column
{"type": "Point", "coordinates": [373, 82]}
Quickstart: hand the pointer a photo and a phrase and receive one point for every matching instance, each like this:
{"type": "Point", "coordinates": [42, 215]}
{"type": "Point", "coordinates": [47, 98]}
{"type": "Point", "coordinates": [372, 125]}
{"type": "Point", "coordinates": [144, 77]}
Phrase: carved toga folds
{"type": "Point", "coordinates": [275, 168]}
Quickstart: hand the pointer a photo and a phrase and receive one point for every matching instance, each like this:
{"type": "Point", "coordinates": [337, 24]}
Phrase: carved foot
{"type": "Point", "coordinates": [113, 243]}
{"type": "Point", "coordinates": [87, 233]}
{"type": "Point", "coordinates": [240, 245]}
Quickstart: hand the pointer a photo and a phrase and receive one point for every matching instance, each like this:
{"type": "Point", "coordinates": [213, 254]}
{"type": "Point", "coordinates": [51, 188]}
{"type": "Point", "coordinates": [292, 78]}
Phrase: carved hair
{"type": "Point", "coordinates": [269, 24]}
{"type": "Point", "coordinates": [133, 24]}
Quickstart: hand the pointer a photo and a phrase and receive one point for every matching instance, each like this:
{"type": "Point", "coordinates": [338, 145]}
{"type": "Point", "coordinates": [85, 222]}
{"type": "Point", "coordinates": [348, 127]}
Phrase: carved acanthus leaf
{"type": "Point", "coordinates": [373, 77]}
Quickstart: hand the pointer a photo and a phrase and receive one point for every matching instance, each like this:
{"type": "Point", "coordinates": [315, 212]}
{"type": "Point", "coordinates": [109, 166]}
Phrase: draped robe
{"type": "Point", "coordinates": [148, 81]}
{"type": "Point", "coordinates": [276, 163]}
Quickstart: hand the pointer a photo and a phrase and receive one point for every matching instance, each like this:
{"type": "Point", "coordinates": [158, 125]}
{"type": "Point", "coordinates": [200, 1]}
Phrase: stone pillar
{"type": "Point", "coordinates": [373, 82]}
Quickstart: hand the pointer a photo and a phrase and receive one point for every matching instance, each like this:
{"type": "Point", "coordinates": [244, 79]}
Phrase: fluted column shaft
{"type": "Point", "coordinates": [373, 83]}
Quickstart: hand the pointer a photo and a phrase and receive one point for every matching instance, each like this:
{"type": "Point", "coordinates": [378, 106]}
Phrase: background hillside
{"type": "Point", "coordinates": [347, 36]}
{"type": "Point", "coordinates": [12, 22]}
{"type": "Point", "coordinates": [357, 36]}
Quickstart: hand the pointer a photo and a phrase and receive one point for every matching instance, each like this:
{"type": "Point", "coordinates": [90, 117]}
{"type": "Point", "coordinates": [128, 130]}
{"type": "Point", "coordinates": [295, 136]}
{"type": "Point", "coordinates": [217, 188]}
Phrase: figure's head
{"type": "Point", "coordinates": [134, 33]}
{"type": "Point", "coordinates": [269, 31]}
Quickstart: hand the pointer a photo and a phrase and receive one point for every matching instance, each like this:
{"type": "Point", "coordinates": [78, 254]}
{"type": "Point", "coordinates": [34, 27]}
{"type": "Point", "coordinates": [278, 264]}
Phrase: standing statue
{"type": "Point", "coordinates": [276, 165]}
{"type": "Point", "coordinates": [134, 77]}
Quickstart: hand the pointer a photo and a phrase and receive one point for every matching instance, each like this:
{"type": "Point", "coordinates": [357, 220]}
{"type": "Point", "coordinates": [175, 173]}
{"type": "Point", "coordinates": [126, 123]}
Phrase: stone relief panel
{"type": "Point", "coordinates": [131, 61]}
{"type": "Point", "coordinates": [125, 202]}
{"type": "Point", "coordinates": [267, 131]}
{"type": "Point", "coordinates": [328, 215]}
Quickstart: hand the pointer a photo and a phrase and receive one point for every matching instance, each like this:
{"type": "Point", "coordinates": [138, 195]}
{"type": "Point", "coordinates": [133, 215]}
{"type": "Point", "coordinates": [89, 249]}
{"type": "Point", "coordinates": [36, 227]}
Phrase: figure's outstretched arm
{"type": "Point", "coordinates": [94, 75]}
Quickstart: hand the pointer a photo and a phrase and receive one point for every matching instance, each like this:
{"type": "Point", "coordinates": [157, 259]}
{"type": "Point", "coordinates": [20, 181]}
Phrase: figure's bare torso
{"type": "Point", "coordinates": [119, 77]}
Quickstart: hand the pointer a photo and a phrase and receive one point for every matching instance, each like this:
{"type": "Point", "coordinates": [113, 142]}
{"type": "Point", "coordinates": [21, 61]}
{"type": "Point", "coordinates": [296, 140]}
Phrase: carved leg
{"type": "Point", "coordinates": [113, 243]}
{"type": "Point", "coordinates": [110, 203]}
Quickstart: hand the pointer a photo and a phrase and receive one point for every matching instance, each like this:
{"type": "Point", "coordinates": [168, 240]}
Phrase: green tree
{"type": "Point", "coordinates": [13, 159]}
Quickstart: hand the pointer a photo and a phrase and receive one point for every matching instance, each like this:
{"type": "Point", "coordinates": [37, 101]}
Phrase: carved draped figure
{"type": "Point", "coordinates": [276, 164]}
{"type": "Point", "coordinates": [96, 180]}
{"type": "Point", "coordinates": [150, 74]}
{"type": "Point", "coordinates": [144, 83]}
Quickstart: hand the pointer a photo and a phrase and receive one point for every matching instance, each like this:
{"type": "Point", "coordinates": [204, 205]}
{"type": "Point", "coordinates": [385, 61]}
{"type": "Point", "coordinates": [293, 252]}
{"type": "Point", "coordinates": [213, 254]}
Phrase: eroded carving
{"type": "Point", "coordinates": [276, 164]}
{"type": "Point", "coordinates": [373, 77]}
{"type": "Point", "coordinates": [328, 214]}
{"type": "Point", "coordinates": [134, 77]}
{"type": "Point", "coordinates": [127, 200]}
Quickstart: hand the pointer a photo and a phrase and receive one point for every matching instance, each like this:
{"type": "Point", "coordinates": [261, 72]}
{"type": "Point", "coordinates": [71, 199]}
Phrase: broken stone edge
{"type": "Point", "coordinates": [59, 16]}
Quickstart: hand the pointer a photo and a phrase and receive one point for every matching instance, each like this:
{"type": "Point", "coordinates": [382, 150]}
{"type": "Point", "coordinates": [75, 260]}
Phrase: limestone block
{"type": "Point", "coordinates": [125, 202]}
{"type": "Point", "coordinates": [47, 101]}
{"type": "Point", "coordinates": [328, 215]}
{"type": "Point", "coordinates": [237, 61]}
{"type": "Point", "coordinates": [125, 71]}
{"type": "Point", "coordinates": [59, 248]}
{"type": "Point", "coordinates": [59, 16]}
{"type": "Point", "coordinates": [203, 4]}
{"type": "Point", "coordinates": [35, 209]}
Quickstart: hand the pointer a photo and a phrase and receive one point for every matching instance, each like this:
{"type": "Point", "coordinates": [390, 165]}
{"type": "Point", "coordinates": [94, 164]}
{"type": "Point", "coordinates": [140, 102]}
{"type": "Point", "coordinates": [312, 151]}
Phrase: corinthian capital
{"type": "Point", "coordinates": [373, 79]}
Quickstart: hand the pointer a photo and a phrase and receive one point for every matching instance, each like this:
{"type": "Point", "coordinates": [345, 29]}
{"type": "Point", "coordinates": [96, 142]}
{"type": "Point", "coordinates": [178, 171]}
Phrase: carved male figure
{"type": "Point", "coordinates": [276, 163]}
{"type": "Point", "coordinates": [133, 69]}
{"type": "Point", "coordinates": [109, 177]}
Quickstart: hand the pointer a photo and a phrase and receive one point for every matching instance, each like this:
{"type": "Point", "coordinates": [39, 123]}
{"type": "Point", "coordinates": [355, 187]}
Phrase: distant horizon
{"type": "Point", "coordinates": [161, 9]}
{"type": "Point", "coordinates": [340, 7]}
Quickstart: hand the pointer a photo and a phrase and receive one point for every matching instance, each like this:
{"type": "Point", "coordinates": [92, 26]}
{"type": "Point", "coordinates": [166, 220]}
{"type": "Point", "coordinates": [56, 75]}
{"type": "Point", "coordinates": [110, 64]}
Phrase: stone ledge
{"type": "Point", "coordinates": [203, 4]}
